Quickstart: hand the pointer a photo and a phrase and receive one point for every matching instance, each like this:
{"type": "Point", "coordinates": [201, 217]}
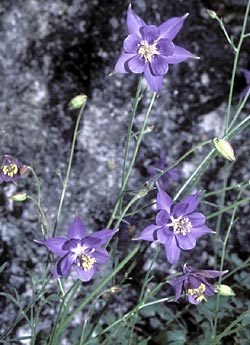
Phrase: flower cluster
{"type": "Point", "coordinates": [82, 252]}
{"type": "Point", "coordinates": [150, 49]}
{"type": "Point", "coordinates": [177, 225]}
{"type": "Point", "coordinates": [193, 283]}
{"type": "Point", "coordinates": [10, 170]}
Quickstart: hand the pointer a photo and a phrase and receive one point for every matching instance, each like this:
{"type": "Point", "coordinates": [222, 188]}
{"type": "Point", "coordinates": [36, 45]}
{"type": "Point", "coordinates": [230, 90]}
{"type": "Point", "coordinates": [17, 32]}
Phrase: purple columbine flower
{"type": "Point", "coordinates": [150, 49]}
{"type": "Point", "coordinates": [247, 77]}
{"type": "Point", "coordinates": [82, 252]}
{"type": "Point", "coordinates": [166, 179]}
{"type": "Point", "coordinates": [194, 284]}
{"type": "Point", "coordinates": [10, 170]}
{"type": "Point", "coordinates": [177, 226]}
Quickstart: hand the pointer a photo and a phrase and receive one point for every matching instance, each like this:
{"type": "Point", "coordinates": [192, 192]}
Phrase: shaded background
{"type": "Point", "coordinates": [51, 51]}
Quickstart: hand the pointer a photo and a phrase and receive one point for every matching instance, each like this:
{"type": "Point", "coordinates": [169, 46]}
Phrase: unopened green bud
{"type": "Point", "coordinates": [149, 129]}
{"type": "Point", "coordinates": [212, 14]}
{"type": "Point", "coordinates": [224, 148]}
{"type": "Point", "coordinates": [142, 193]}
{"type": "Point", "coordinates": [77, 102]}
{"type": "Point", "coordinates": [111, 164]}
{"type": "Point", "coordinates": [18, 197]}
{"type": "Point", "coordinates": [24, 170]}
{"type": "Point", "coordinates": [225, 290]}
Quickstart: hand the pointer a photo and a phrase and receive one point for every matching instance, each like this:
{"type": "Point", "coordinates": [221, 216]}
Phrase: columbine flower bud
{"type": "Point", "coordinates": [77, 102]}
{"type": "Point", "coordinates": [149, 129]}
{"type": "Point", "coordinates": [24, 171]}
{"type": "Point", "coordinates": [18, 197]}
{"type": "Point", "coordinates": [143, 192]}
{"type": "Point", "coordinates": [224, 148]}
{"type": "Point", "coordinates": [115, 289]}
{"type": "Point", "coordinates": [224, 290]}
{"type": "Point", "coordinates": [212, 14]}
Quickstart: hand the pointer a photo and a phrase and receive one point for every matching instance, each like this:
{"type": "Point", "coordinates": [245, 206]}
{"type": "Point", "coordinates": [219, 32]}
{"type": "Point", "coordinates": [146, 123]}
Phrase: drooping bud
{"type": "Point", "coordinates": [24, 171]}
{"type": "Point", "coordinates": [224, 148]}
{"type": "Point", "coordinates": [77, 102]}
{"type": "Point", "coordinates": [18, 197]}
{"type": "Point", "coordinates": [212, 14]}
{"type": "Point", "coordinates": [115, 289]}
{"type": "Point", "coordinates": [225, 290]}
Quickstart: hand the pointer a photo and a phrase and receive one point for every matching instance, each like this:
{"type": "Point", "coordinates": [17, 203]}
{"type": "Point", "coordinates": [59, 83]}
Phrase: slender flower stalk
{"type": "Point", "coordinates": [65, 182]}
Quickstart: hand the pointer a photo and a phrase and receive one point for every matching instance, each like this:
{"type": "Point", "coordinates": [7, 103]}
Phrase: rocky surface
{"type": "Point", "coordinates": [51, 51]}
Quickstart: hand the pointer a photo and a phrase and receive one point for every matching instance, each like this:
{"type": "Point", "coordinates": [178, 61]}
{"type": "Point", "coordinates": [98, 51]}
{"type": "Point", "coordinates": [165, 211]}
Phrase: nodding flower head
{"type": "Point", "coordinates": [10, 170]}
{"type": "Point", "coordinates": [193, 283]}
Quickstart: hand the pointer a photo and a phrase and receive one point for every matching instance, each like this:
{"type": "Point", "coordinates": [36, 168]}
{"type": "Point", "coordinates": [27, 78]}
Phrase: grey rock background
{"type": "Point", "coordinates": [52, 50]}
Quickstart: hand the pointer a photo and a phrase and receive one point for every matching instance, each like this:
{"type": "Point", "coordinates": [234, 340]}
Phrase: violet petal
{"type": "Point", "coordinates": [148, 234]}
{"type": "Point", "coordinates": [150, 33]}
{"type": "Point", "coordinates": [101, 255]}
{"type": "Point", "coordinates": [134, 22]}
{"type": "Point", "coordinates": [154, 82]}
{"type": "Point", "coordinates": [163, 200]}
{"type": "Point", "coordinates": [131, 44]}
{"type": "Point", "coordinates": [171, 27]}
{"type": "Point", "coordinates": [159, 65]}
{"type": "Point", "coordinates": [103, 235]}
{"type": "Point", "coordinates": [180, 54]}
{"type": "Point", "coordinates": [54, 244]}
{"type": "Point", "coordinates": [122, 63]}
{"type": "Point", "coordinates": [172, 251]}
{"type": "Point", "coordinates": [186, 242]}
{"type": "Point", "coordinates": [85, 276]}
{"type": "Point", "coordinates": [163, 218]}
{"type": "Point", "coordinates": [76, 229]}
{"type": "Point", "coordinates": [136, 64]}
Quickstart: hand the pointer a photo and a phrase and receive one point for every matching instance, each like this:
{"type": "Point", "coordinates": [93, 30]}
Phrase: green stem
{"type": "Point", "coordinates": [131, 122]}
{"type": "Point", "coordinates": [222, 262]}
{"type": "Point", "coordinates": [218, 191]}
{"type": "Point", "coordinates": [100, 286]}
{"type": "Point", "coordinates": [238, 112]}
{"type": "Point", "coordinates": [132, 160]}
{"type": "Point", "coordinates": [65, 183]}
{"type": "Point", "coordinates": [194, 177]}
{"type": "Point", "coordinates": [219, 219]}
{"type": "Point", "coordinates": [42, 215]}
{"type": "Point", "coordinates": [145, 282]}
{"type": "Point", "coordinates": [236, 58]}
{"type": "Point", "coordinates": [227, 208]}
{"type": "Point", "coordinates": [38, 202]}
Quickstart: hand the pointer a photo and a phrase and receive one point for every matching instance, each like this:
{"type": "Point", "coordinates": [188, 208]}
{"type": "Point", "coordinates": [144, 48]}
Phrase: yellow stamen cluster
{"type": "Point", "coordinates": [147, 51]}
{"type": "Point", "coordinates": [86, 262]}
{"type": "Point", "coordinates": [198, 293]}
{"type": "Point", "coordinates": [10, 170]}
{"type": "Point", "coordinates": [182, 226]}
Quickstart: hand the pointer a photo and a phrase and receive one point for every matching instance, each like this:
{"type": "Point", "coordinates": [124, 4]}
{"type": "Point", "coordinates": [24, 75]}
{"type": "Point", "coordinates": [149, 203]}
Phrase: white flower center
{"type": "Point", "coordinates": [147, 51]}
{"type": "Point", "coordinates": [81, 259]}
{"type": "Point", "coordinates": [182, 226]}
